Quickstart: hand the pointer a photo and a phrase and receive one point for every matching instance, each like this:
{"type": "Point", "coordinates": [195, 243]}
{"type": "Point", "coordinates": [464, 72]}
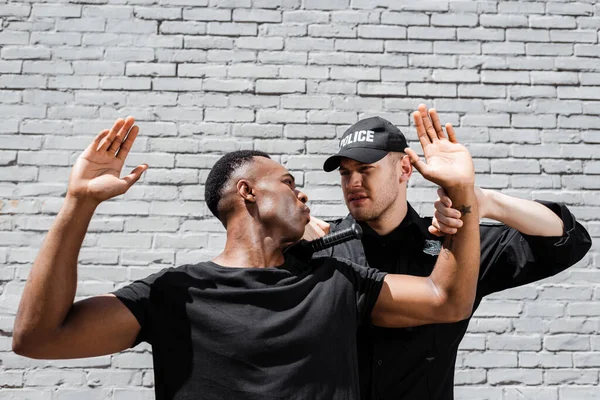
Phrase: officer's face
{"type": "Point", "coordinates": [371, 189]}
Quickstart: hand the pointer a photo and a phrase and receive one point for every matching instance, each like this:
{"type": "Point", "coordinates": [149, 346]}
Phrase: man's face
{"type": "Point", "coordinates": [370, 189]}
{"type": "Point", "coordinates": [280, 205]}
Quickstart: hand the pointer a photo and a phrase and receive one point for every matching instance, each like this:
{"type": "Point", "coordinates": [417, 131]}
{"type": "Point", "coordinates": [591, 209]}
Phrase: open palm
{"type": "Point", "coordinates": [96, 173]}
{"type": "Point", "coordinates": [448, 163]}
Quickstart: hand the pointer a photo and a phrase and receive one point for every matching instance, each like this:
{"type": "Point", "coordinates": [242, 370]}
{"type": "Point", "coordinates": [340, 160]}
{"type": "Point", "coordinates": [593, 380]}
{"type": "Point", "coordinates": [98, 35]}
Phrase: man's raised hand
{"type": "Point", "coordinates": [449, 163]}
{"type": "Point", "coordinates": [96, 175]}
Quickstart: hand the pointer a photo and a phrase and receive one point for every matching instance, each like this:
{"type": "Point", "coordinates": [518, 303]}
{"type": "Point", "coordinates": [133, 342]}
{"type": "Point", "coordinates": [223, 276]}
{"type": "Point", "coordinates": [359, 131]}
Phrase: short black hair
{"type": "Point", "coordinates": [221, 172]}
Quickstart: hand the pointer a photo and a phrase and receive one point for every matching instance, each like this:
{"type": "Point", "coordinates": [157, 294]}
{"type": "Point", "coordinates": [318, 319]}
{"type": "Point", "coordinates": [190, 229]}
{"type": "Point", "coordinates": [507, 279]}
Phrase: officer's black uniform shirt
{"type": "Point", "coordinates": [418, 363]}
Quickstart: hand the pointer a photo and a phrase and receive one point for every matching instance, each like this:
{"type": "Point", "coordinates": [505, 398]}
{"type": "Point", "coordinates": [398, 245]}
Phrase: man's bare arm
{"type": "Point", "coordinates": [448, 294]}
{"type": "Point", "coordinates": [48, 324]}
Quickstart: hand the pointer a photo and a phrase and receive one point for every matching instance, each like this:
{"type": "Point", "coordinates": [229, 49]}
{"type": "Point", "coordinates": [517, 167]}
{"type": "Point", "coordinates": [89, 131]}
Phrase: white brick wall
{"type": "Point", "coordinates": [520, 80]}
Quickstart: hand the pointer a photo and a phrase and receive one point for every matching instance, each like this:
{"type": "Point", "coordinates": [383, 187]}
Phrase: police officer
{"type": "Point", "coordinates": [536, 240]}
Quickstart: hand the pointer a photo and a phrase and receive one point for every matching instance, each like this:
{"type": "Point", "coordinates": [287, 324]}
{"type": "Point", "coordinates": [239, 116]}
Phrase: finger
{"type": "Point", "coordinates": [111, 135]}
{"type": "Point", "coordinates": [447, 221]}
{"type": "Point", "coordinates": [316, 229]}
{"type": "Point", "coordinates": [434, 231]}
{"type": "Point", "coordinates": [443, 197]}
{"type": "Point", "coordinates": [416, 161]}
{"type": "Point", "coordinates": [134, 176]}
{"type": "Point", "coordinates": [427, 122]}
{"type": "Point", "coordinates": [447, 211]}
{"type": "Point", "coordinates": [451, 133]}
{"type": "Point", "coordinates": [121, 134]}
{"type": "Point", "coordinates": [443, 229]}
{"type": "Point", "coordinates": [435, 119]}
{"type": "Point", "coordinates": [421, 133]}
{"type": "Point", "coordinates": [128, 143]}
{"type": "Point", "coordinates": [324, 226]}
{"type": "Point", "coordinates": [311, 231]}
{"type": "Point", "coordinates": [98, 139]}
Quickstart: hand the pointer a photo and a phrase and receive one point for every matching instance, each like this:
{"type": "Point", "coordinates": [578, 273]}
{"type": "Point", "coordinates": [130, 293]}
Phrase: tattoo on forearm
{"type": "Point", "coordinates": [465, 209]}
{"type": "Point", "coordinates": [448, 246]}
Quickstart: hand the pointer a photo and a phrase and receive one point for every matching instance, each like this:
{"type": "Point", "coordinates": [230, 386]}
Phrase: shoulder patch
{"type": "Point", "coordinates": [432, 247]}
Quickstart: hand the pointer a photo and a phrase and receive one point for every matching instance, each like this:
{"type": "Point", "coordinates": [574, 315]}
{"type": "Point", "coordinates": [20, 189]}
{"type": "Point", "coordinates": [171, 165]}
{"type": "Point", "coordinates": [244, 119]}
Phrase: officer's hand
{"type": "Point", "coordinates": [315, 229]}
{"type": "Point", "coordinates": [446, 220]}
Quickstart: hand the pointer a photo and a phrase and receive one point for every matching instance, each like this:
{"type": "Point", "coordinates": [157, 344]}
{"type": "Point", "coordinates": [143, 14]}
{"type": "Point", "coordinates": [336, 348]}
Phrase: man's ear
{"type": "Point", "coordinates": [245, 190]}
{"type": "Point", "coordinates": [406, 168]}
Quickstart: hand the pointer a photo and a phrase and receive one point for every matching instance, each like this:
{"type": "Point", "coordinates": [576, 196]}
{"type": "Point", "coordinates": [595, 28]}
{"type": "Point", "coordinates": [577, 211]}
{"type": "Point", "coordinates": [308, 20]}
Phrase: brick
{"type": "Point", "coordinates": [259, 43]}
{"type": "Point", "coordinates": [381, 89]}
{"type": "Point", "coordinates": [129, 54]}
{"type": "Point", "coordinates": [549, 49]}
{"type": "Point", "coordinates": [581, 36]}
{"type": "Point", "coordinates": [184, 27]}
{"type": "Point", "coordinates": [381, 32]}
{"type": "Point", "coordinates": [232, 29]}
{"type": "Point", "coordinates": [355, 16]}
{"type": "Point", "coordinates": [520, 8]}
{"type": "Point", "coordinates": [359, 45]}
{"type": "Point", "coordinates": [421, 33]}
{"type": "Point", "coordinates": [177, 84]}
{"type": "Point", "coordinates": [545, 360]}
{"type": "Point", "coordinates": [25, 52]}
{"type": "Point", "coordinates": [507, 48]}
{"type": "Point", "coordinates": [305, 17]}
{"type": "Point", "coordinates": [486, 91]}
{"type": "Point", "coordinates": [82, 25]}
{"type": "Point", "coordinates": [431, 61]}
{"type": "Point", "coordinates": [75, 53]}
{"type": "Point", "coordinates": [305, 102]}
{"type": "Point", "coordinates": [15, 10]}
{"type": "Point", "coordinates": [20, 38]}
{"type": "Point", "coordinates": [515, 376]}
{"type": "Point", "coordinates": [503, 21]}
{"type": "Point", "coordinates": [481, 34]}
{"type": "Point", "coordinates": [570, 9]}
{"type": "Point", "coordinates": [404, 18]}
{"type": "Point", "coordinates": [552, 22]}
{"type": "Point", "coordinates": [250, 15]}
{"type": "Point", "coordinates": [524, 92]}
{"type": "Point", "coordinates": [567, 342]}
{"type": "Point", "coordinates": [408, 46]}
{"type": "Point", "coordinates": [283, 30]}
{"type": "Point", "coordinates": [279, 86]}
{"type": "Point", "coordinates": [159, 13]}
{"type": "Point", "coordinates": [449, 19]}
{"type": "Point", "coordinates": [533, 121]}
{"type": "Point", "coordinates": [527, 35]}
{"type": "Point", "coordinates": [10, 67]}
{"type": "Point", "coordinates": [491, 359]}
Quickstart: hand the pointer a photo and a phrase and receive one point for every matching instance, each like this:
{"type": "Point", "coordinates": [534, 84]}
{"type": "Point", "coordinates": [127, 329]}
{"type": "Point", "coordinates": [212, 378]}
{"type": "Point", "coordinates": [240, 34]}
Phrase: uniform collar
{"type": "Point", "coordinates": [412, 231]}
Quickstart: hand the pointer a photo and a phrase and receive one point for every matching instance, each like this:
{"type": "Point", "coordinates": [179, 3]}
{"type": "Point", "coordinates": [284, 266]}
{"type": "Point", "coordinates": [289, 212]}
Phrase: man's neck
{"type": "Point", "coordinates": [249, 246]}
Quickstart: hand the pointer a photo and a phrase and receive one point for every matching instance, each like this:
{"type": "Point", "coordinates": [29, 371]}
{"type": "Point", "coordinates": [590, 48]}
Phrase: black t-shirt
{"type": "Point", "coordinates": [255, 333]}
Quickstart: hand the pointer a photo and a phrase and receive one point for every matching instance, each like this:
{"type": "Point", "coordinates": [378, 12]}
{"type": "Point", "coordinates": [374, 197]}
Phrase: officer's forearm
{"type": "Point", "coordinates": [526, 216]}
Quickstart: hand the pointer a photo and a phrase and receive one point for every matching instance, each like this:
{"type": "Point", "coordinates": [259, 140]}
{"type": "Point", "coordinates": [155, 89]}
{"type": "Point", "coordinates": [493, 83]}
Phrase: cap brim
{"type": "Point", "coordinates": [360, 154]}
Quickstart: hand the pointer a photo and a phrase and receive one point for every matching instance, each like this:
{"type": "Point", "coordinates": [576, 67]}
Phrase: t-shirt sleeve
{"type": "Point", "coordinates": [136, 297]}
{"type": "Point", "coordinates": [367, 285]}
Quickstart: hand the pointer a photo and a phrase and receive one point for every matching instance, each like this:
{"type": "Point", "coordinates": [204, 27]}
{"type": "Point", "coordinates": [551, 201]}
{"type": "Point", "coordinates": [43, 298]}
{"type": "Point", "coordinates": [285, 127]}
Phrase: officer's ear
{"type": "Point", "coordinates": [405, 168]}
